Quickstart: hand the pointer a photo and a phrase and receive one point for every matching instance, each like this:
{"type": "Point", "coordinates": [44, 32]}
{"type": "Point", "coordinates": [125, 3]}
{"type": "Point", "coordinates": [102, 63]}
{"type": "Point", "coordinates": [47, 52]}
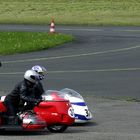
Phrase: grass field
{"type": "Point", "coordinates": [74, 12]}
{"type": "Point", "coordinates": [22, 42]}
{"type": "Point", "coordinates": [85, 12]}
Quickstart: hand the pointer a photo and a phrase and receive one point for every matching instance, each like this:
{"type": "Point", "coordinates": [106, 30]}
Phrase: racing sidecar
{"type": "Point", "coordinates": [79, 106]}
{"type": "Point", "coordinates": [55, 114]}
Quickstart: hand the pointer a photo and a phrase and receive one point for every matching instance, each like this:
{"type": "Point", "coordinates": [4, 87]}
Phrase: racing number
{"type": "Point", "coordinates": [87, 113]}
{"type": "Point", "coordinates": [71, 112]}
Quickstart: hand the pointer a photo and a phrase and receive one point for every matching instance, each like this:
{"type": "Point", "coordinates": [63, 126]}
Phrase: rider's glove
{"type": "Point", "coordinates": [38, 101]}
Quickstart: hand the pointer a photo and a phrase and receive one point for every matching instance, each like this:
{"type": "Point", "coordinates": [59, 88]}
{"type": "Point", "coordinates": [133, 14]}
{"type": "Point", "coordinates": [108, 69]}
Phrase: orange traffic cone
{"type": "Point", "coordinates": [52, 27]}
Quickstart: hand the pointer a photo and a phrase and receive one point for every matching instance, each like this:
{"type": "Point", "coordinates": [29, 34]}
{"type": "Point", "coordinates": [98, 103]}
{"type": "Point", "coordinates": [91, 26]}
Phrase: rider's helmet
{"type": "Point", "coordinates": [31, 76]}
{"type": "Point", "coordinates": [40, 70]}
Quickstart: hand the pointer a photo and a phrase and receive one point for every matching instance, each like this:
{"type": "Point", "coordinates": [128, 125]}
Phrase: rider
{"type": "Point", "coordinates": [41, 71]}
{"type": "Point", "coordinates": [24, 92]}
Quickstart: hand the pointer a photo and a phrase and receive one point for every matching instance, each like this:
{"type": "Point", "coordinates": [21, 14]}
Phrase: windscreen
{"type": "Point", "coordinates": [65, 93]}
{"type": "Point", "coordinates": [70, 93]}
{"type": "Point", "coordinates": [53, 95]}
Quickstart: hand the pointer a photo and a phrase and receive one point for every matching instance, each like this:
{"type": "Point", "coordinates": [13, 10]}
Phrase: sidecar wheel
{"type": "Point", "coordinates": [58, 128]}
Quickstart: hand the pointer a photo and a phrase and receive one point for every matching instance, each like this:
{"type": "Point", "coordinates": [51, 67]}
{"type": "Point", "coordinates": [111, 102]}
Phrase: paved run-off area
{"type": "Point", "coordinates": [112, 120]}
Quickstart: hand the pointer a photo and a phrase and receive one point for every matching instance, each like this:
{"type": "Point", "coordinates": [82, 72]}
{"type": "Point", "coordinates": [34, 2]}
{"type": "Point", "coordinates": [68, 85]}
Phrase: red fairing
{"type": "Point", "coordinates": [48, 114]}
{"type": "Point", "coordinates": [55, 112]}
{"type": "Point", "coordinates": [33, 126]}
{"type": "Point", "coordinates": [2, 107]}
{"type": "Point", "coordinates": [2, 110]}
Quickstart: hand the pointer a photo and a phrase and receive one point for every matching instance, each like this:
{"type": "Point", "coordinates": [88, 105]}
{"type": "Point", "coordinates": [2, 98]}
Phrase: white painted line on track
{"type": "Point", "coordinates": [79, 29]}
{"type": "Point", "coordinates": [11, 73]}
{"type": "Point", "coordinates": [131, 30]}
{"type": "Point", "coordinates": [80, 71]}
{"type": "Point", "coordinates": [71, 56]}
{"type": "Point", "coordinates": [98, 70]}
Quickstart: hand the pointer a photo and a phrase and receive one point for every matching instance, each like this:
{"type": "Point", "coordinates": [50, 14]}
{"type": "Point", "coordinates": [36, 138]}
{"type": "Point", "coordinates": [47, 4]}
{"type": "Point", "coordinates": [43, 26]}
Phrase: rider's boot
{"type": "Point", "coordinates": [12, 120]}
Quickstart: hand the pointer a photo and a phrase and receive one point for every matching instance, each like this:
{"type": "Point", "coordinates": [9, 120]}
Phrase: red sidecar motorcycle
{"type": "Point", "coordinates": [55, 114]}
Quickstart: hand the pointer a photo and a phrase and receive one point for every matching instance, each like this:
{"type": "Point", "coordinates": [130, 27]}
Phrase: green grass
{"type": "Point", "coordinates": [22, 42]}
{"type": "Point", "coordinates": [85, 12]}
{"type": "Point", "coordinates": [75, 12]}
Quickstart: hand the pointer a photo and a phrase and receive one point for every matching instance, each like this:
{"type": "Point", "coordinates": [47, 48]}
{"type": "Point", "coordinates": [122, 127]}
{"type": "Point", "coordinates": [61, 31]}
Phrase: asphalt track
{"type": "Point", "coordinates": [103, 64]}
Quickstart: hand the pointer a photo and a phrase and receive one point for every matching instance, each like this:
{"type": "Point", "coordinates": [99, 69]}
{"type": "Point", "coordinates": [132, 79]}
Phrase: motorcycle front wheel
{"type": "Point", "coordinates": [57, 128]}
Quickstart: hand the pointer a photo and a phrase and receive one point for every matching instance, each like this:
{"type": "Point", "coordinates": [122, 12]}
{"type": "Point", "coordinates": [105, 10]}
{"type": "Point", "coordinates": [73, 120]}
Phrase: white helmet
{"type": "Point", "coordinates": [31, 76]}
{"type": "Point", "coordinates": [40, 70]}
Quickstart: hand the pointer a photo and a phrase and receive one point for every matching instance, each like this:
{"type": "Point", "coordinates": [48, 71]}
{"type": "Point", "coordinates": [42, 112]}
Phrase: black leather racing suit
{"type": "Point", "coordinates": [23, 92]}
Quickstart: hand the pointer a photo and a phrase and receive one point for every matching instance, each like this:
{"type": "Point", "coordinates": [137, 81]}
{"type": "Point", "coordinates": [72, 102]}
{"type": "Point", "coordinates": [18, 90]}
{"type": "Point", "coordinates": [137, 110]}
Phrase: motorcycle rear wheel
{"type": "Point", "coordinates": [57, 128]}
